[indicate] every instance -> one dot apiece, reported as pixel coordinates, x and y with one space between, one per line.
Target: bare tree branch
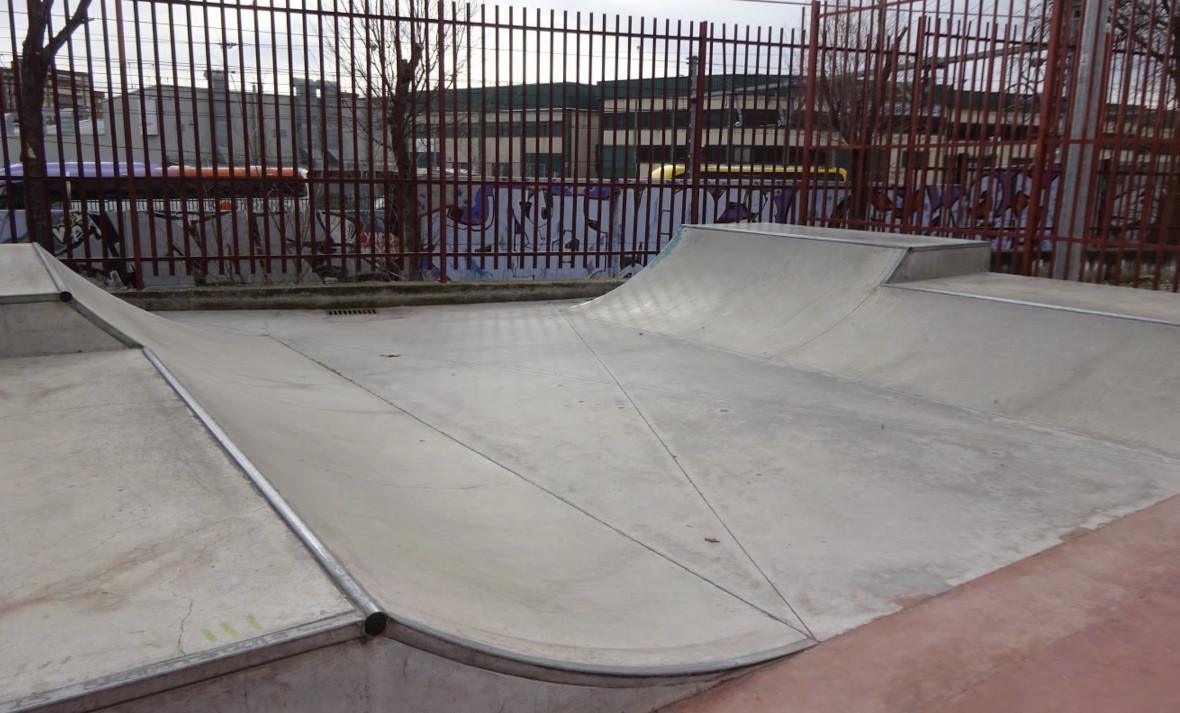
76 20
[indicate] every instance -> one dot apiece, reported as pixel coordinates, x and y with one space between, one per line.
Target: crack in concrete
183 623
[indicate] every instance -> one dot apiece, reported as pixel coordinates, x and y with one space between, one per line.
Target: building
68 92
746 119
519 131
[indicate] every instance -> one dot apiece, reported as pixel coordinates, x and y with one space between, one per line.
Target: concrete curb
354 295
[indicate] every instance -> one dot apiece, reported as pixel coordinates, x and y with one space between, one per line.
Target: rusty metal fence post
804 198
1046 124
442 148
697 154
129 167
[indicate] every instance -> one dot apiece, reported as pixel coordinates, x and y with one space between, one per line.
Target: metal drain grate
349 312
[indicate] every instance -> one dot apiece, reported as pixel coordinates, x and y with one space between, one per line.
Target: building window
661 154
733 154
918 160
544 165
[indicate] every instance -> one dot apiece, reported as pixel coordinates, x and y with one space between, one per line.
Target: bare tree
1151 32
1145 33
859 85
40 46
396 58
1144 36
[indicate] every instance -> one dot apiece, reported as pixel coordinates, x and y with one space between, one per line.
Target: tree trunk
401 200
860 188
38 218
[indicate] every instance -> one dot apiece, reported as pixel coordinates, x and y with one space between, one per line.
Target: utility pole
219 109
225 48
1085 103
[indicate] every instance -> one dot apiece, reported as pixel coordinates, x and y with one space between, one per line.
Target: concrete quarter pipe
770 436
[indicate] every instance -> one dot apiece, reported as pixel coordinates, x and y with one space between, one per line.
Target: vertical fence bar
697 152
442 144
912 186
1045 120
804 212
129 153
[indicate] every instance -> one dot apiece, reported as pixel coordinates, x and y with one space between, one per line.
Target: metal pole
442 147
804 198
690 169
1084 118
698 120
1046 124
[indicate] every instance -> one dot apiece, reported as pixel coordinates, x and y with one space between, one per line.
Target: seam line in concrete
679 466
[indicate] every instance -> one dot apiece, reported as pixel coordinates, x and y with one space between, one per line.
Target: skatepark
771 438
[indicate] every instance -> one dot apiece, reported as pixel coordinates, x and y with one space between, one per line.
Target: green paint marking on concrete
228 629
209 635
253 622
667 248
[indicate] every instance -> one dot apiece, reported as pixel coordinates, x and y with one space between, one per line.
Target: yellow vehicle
674 171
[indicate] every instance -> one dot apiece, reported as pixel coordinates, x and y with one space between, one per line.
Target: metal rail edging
375 617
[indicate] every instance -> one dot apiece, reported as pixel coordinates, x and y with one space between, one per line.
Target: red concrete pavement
1090 625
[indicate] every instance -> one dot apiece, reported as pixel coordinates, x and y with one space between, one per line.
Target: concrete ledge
353 295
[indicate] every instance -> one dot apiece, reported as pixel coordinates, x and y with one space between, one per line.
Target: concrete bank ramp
763 289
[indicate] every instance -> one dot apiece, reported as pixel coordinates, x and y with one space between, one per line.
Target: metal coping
1038 305
881 240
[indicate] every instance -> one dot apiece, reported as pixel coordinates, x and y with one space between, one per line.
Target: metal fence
198 141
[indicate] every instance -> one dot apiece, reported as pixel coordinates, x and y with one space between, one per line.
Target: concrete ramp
763 289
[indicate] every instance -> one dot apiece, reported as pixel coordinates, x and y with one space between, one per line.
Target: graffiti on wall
543 230
557 231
